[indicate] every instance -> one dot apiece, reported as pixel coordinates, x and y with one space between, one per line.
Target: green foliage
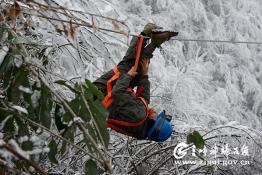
196 139
53 151
22 40
58 118
210 169
22 87
22 127
8 62
9 126
27 145
79 108
45 107
63 82
90 167
94 90
100 113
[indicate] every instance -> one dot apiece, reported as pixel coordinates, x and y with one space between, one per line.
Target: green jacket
129 108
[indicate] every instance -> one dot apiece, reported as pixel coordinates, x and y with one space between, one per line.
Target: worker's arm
143 85
143 89
121 85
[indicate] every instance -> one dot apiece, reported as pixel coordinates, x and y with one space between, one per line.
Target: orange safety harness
107 101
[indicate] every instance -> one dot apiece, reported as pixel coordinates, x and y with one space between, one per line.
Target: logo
180 150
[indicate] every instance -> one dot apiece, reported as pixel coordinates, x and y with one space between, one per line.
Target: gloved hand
145 65
149 28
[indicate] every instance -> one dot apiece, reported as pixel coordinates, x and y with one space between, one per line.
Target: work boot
159 36
149 28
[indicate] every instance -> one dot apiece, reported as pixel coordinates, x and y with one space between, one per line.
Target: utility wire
134 35
217 41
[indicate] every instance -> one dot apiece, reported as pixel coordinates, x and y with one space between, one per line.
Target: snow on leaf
15 145
3 53
20 109
25 89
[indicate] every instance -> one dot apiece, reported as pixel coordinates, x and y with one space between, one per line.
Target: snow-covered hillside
207 86
210 83
203 85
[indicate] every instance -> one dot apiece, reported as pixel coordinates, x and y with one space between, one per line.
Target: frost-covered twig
50 132
76 11
80 125
154 169
18 155
7 168
228 126
131 159
66 105
76 23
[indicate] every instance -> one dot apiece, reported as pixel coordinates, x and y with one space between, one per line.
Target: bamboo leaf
63 148
90 167
63 83
80 109
22 127
53 151
45 107
27 145
7 63
69 133
91 130
22 40
196 139
9 126
58 118
100 114
94 90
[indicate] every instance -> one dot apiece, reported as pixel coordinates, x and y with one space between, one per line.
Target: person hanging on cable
129 113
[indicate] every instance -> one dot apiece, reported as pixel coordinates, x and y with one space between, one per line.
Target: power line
134 35
217 41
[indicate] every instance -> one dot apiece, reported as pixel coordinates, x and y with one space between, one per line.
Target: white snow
23 139
20 109
19 150
3 53
25 89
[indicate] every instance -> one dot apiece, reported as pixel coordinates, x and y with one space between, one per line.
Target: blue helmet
161 129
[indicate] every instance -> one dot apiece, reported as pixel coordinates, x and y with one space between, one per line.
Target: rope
134 35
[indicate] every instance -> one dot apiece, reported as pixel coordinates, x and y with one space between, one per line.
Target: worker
129 113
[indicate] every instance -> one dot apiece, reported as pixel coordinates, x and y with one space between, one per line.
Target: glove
149 28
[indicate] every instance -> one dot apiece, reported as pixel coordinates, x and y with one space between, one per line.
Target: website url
213 162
